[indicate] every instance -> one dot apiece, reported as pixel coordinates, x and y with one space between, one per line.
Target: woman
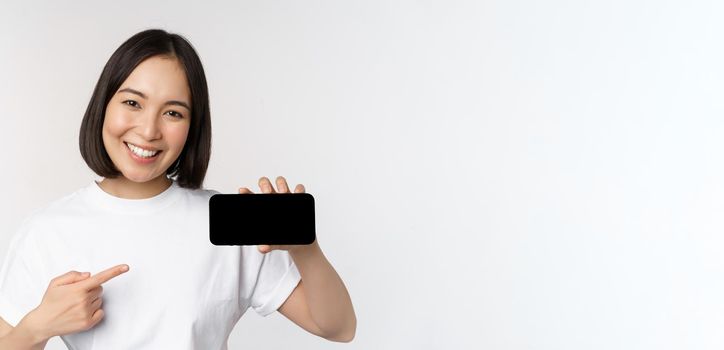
161 284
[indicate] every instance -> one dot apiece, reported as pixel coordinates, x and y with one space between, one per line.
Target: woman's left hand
266 187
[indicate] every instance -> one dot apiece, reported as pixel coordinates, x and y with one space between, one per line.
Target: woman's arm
5 327
320 304
71 303
322 297
22 337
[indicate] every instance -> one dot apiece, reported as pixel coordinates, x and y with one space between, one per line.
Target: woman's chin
139 177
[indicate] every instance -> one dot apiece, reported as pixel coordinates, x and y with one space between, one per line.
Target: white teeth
140 151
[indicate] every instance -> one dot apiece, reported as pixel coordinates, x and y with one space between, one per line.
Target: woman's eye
131 103
176 114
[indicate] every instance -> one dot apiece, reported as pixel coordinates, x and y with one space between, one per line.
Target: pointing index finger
104 276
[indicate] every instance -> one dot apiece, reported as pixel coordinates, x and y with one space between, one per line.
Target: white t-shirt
181 291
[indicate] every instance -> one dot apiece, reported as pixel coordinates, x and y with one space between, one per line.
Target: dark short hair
189 169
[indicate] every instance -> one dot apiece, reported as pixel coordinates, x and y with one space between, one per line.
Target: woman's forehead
159 78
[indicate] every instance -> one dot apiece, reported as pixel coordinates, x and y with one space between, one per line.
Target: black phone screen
263 218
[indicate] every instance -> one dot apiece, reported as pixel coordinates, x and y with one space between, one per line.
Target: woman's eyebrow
170 102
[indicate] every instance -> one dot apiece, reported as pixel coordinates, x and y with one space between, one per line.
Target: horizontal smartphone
261 218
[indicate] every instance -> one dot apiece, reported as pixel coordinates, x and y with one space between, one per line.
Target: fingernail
124 268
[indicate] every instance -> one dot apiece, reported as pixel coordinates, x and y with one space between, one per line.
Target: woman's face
151 110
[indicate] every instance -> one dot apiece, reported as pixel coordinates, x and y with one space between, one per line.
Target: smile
143 153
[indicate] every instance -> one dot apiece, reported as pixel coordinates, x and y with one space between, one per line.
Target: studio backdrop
487 174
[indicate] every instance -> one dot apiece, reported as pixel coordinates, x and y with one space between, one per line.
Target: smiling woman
147 132
152 95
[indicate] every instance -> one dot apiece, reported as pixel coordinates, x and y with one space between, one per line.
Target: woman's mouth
140 155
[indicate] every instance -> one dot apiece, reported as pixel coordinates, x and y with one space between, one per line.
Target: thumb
69 277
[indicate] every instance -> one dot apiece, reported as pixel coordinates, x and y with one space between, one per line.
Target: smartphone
261 218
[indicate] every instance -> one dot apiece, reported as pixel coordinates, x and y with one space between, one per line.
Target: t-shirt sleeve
20 291
277 278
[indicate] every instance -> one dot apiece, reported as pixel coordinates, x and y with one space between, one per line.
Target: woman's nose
149 128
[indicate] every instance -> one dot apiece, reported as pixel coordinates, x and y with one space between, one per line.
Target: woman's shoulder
44 215
196 198
200 193
74 204
59 206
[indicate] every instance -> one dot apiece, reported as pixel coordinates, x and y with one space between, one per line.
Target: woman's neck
124 188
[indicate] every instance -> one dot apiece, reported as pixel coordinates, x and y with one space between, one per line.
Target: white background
510 174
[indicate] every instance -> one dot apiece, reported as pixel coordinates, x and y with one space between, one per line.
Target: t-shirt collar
102 199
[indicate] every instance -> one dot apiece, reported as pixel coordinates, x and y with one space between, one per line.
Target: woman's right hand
72 303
